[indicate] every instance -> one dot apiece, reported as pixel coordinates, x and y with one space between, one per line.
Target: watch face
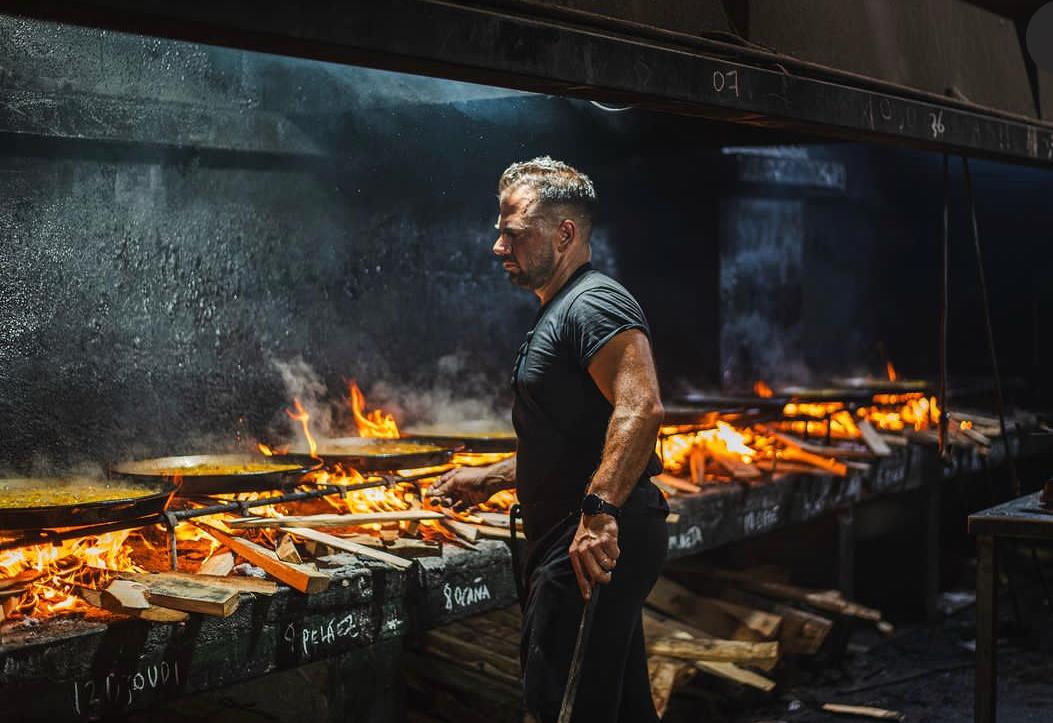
591 504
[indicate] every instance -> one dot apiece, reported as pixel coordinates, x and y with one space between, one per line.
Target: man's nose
501 247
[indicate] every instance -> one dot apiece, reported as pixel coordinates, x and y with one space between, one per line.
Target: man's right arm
466 486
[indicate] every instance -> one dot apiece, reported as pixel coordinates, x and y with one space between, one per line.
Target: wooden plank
727 651
190 595
470 653
494 533
299 577
872 439
241 583
153 613
20 580
676 483
864 711
334 520
287 552
347 546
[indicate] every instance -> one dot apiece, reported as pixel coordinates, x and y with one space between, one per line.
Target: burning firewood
219 564
300 577
152 613
240 583
192 595
338 543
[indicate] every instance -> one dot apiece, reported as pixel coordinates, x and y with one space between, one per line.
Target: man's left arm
623 370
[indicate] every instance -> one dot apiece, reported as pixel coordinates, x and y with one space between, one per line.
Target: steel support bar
552 56
986 629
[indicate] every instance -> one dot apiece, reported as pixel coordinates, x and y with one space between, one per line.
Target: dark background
174 219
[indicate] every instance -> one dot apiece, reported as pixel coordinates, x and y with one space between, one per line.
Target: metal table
1022 518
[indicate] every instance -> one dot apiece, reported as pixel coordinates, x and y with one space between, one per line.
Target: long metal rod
999 395
944 298
570 693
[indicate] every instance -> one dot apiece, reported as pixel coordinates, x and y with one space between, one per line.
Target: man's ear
567 231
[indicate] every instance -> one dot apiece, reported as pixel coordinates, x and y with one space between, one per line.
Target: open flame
761 389
376 423
301 416
891 371
51 572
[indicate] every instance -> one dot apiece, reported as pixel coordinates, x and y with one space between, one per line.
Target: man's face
524 244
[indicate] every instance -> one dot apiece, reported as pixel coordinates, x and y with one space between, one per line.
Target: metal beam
499 48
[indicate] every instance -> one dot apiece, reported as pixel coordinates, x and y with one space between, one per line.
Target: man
586 412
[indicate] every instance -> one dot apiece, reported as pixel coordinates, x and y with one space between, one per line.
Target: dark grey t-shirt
560 415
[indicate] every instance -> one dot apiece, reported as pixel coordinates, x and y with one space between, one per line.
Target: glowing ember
377 423
761 389
896 412
891 370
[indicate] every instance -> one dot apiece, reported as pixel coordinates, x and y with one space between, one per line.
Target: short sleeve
597 316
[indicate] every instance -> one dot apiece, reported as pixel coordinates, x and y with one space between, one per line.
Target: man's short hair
554 183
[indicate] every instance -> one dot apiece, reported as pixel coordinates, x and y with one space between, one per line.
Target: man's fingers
596 571
583 583
611 551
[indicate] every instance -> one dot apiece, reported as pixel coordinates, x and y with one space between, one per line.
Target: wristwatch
596 505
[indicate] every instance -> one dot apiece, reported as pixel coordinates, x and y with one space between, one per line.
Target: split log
872 439
152 613
735 466
716 617
126 594
676 483
795 454
864 711
300 577
721 651
801 633
241 583
347 546
827 600
414 548
334 520
697 465
20 580
218 565
493 533
479 657
497 519
664 674
732 672
462 529
287 552
199 595
822 450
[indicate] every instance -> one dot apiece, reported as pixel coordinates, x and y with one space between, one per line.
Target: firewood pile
738 627
738 630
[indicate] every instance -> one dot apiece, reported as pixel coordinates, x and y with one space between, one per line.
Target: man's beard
544 269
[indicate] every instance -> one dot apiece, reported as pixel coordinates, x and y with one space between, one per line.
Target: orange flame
891 371
61 567
377 423
761 389
301 416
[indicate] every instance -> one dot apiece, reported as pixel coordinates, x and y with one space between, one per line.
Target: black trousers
614 686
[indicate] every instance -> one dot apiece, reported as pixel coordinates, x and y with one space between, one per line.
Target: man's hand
462 487
594 551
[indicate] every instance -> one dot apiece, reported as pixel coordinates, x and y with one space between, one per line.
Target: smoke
453 393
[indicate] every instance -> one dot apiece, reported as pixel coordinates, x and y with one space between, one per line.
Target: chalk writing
464 595
309 639
759 520
936 123
687 539
118 690
728 80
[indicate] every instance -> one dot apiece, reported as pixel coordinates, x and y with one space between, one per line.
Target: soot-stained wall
177 221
